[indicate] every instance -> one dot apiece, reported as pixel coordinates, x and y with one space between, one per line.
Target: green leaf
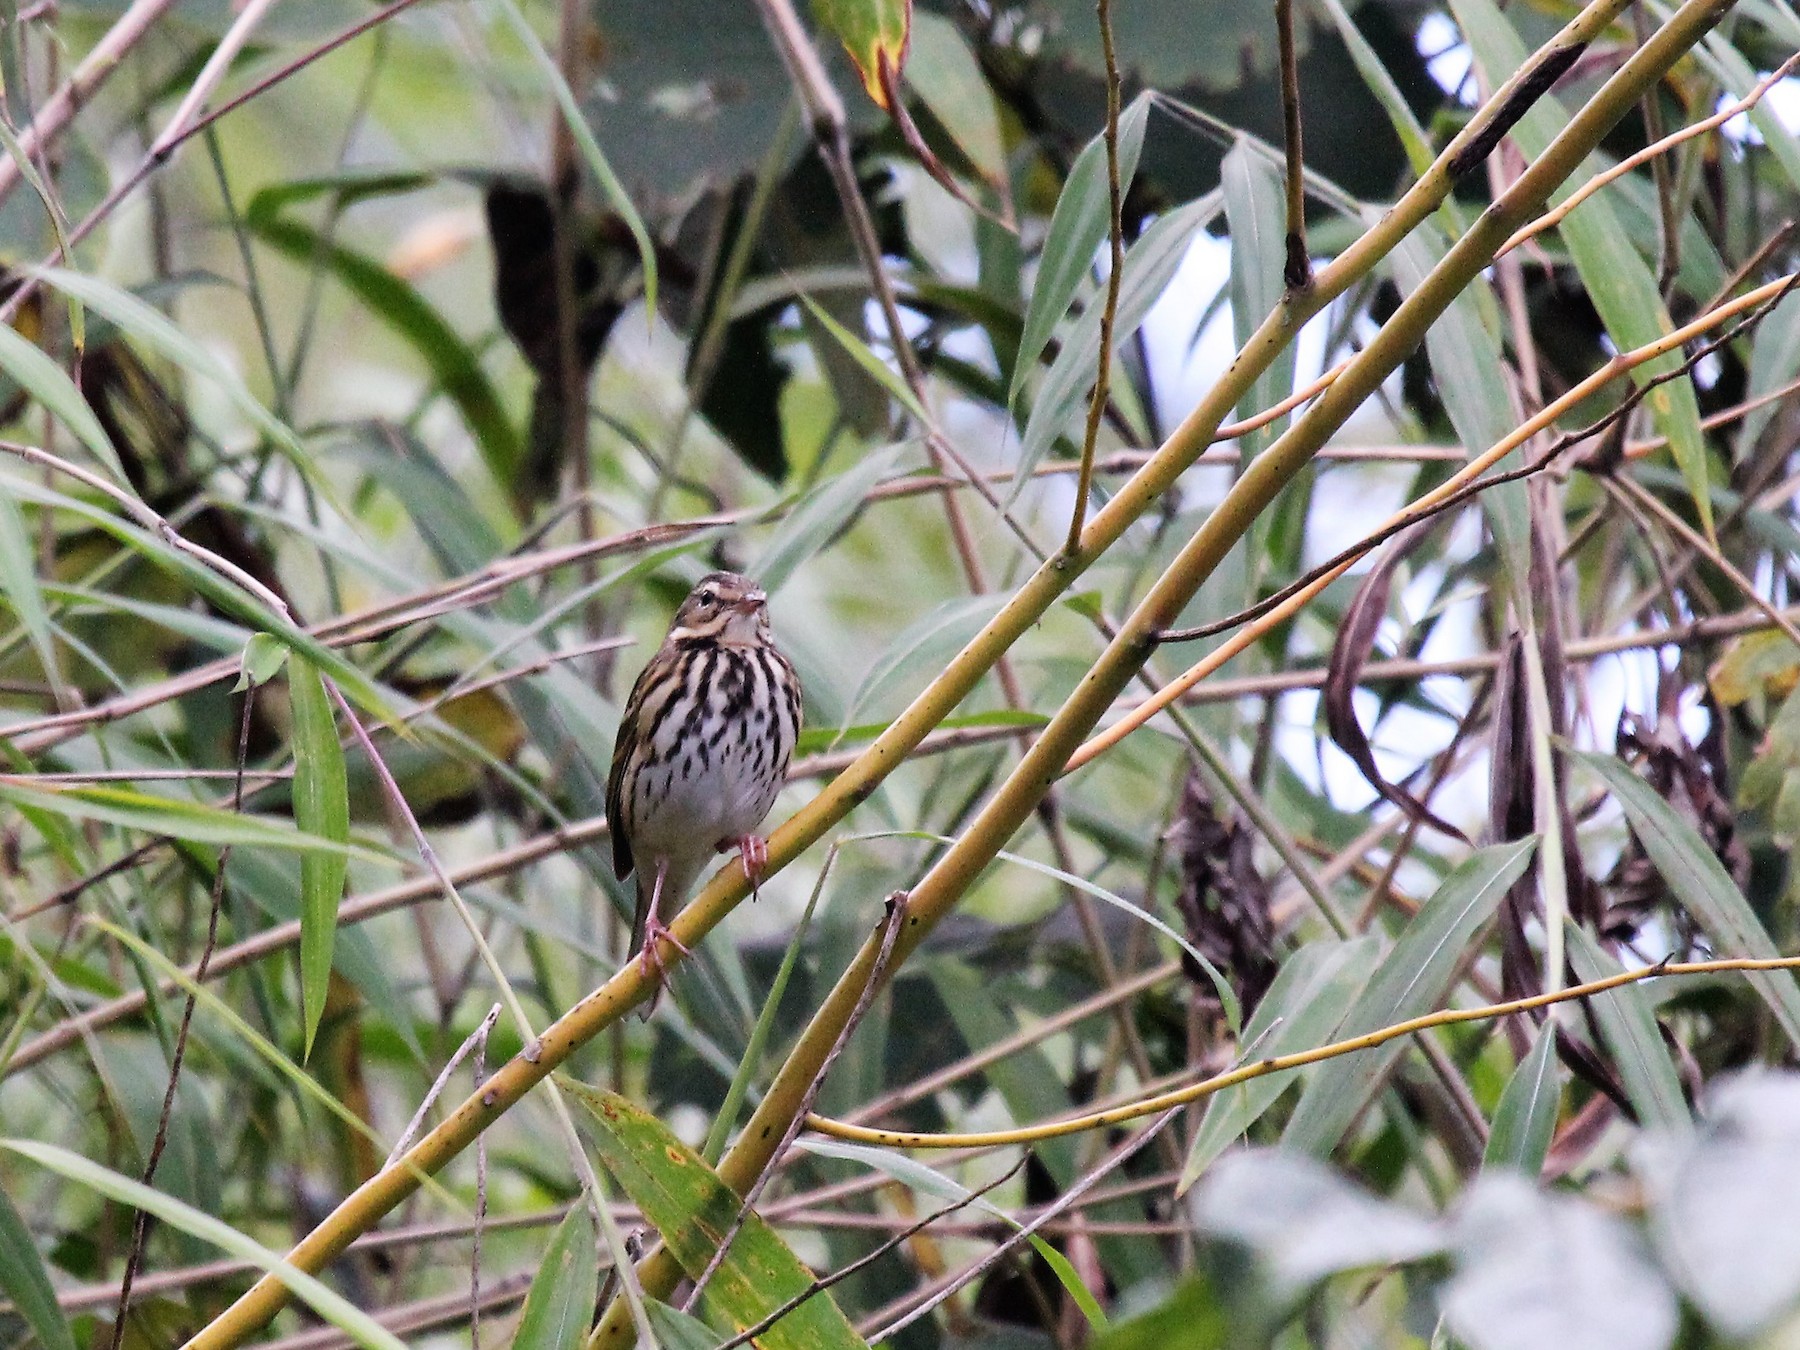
1256 214
947 78
1410 982
818 516
163 815
19 580
862 354
407 314
1525 1120
148 325
43 380
322 808
1618 280
874 32
1628 1027
263 659
687 1203
1149 265
923 645
560 1304
1699 880
1418 147
676 1330
26 1283
1468 370
1302 1009
362 1328
1080 222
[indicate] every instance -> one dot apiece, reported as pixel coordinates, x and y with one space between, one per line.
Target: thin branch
1297 270
891 920
1184 1096
862 1263
1111 1163
1115 271
1555 217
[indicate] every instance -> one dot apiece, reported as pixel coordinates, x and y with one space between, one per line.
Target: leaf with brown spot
692 1208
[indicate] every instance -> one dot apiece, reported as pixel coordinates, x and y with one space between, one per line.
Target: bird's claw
753 854
650 957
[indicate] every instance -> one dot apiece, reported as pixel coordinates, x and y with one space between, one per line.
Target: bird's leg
655 931
753 853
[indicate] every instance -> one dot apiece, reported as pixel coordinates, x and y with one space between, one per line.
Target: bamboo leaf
687 1203
1699 880
583 136
43 380
136 810
1150 263
1256 214
1080 222
1617 279
334 1308
875 33
560 1303
865 357
1301 1009
322 808
1525 1120
27 1284
406 313
1628 1027
819 515
156 330
1413 978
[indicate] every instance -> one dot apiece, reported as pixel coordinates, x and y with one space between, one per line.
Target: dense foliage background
375 380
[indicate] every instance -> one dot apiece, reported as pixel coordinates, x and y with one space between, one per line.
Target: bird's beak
753 601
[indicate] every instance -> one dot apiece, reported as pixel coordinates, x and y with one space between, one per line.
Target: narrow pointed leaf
875 33
1410 982
1628 1027
1302 1009
1525 1120
1080 222
1617 278
1699 880
1256 213
26 1284
333 1307
41 378
1150 264
322 808
687 1203
560 1303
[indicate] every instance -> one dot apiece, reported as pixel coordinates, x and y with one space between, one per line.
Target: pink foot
753 853
650 958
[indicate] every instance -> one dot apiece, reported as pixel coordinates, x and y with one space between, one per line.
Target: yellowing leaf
875 33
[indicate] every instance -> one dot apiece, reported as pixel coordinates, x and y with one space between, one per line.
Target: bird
702 751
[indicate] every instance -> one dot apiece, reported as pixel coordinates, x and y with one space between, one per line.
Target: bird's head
723 607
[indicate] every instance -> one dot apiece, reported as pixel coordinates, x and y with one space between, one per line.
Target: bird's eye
709 597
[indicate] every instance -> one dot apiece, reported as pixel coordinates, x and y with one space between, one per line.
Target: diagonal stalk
1012 803
360 1211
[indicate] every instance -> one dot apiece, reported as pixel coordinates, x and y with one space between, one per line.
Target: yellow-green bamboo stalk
1017 797
360 1211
